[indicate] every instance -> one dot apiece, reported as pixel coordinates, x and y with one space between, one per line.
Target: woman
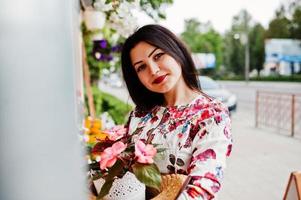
172 111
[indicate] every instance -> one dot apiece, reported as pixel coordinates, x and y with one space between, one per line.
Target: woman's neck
180 95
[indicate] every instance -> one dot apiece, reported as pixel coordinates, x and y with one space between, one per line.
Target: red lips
159 79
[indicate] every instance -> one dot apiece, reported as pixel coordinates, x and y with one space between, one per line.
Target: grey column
40 153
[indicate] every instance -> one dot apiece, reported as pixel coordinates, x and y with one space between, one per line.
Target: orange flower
93 131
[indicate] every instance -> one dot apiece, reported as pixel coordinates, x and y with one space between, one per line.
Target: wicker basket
171 186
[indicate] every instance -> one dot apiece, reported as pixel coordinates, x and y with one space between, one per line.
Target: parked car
215 90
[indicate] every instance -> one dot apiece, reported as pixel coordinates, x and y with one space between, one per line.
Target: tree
280 26
296 23
202 38
191 33
234 50
257 54
233 54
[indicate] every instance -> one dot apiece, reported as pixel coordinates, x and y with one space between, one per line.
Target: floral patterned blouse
197 139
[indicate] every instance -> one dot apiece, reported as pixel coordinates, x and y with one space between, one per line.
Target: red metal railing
281 111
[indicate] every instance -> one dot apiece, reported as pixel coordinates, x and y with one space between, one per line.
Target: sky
219 12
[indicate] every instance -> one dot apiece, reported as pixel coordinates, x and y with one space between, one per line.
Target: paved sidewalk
261 162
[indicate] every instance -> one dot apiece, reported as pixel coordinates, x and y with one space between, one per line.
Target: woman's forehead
142 49
143 45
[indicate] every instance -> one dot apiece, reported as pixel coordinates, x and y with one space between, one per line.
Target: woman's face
157 71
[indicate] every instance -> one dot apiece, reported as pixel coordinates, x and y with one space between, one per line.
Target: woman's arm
211 146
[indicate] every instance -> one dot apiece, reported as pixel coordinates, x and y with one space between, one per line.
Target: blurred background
67 63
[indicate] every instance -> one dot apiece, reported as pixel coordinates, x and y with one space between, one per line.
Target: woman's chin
162 89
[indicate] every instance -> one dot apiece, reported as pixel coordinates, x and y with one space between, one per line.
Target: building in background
204 60
282 56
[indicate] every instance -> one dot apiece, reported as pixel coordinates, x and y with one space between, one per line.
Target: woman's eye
141 67
157 56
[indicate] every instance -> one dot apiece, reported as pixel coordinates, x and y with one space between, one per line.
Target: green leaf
97 175
114 171
105 189
160 156
148 174
160 150
162 15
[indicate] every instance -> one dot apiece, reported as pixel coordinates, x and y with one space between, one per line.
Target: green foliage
114 171
202 38
107 103
241 22
148 174
256 40
296 23
286 23
233 54
234 50
95 66
294 78
279 28
105 189
191 33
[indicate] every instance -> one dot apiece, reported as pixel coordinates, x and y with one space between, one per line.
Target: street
246 93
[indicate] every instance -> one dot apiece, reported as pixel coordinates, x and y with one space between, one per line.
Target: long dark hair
164 39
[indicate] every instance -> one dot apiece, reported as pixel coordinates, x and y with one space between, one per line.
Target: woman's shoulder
206 107
140 113
203 106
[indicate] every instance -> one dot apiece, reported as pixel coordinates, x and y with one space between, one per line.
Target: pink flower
116 132
109 156
144 153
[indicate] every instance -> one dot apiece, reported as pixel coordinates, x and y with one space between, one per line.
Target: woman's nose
154 69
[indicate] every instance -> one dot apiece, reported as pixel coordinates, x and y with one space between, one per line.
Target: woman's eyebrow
153 52
137 63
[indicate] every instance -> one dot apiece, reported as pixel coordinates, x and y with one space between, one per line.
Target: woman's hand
171 186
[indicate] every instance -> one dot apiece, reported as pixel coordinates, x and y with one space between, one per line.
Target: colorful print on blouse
197 140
